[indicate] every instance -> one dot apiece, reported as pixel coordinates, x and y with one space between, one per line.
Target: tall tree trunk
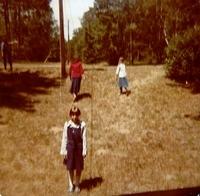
131 47
165 33
6 19
19 25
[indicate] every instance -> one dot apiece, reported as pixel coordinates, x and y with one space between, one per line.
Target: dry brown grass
147 141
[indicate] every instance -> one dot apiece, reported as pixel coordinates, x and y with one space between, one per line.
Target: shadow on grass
83 96
193 117
94 69
17 89
144 64
1 122
127 93
195 191
194 87
91 183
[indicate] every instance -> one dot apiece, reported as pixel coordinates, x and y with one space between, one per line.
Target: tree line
30 27
148 31
142 31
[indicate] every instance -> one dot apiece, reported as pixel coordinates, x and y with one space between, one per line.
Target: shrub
183 56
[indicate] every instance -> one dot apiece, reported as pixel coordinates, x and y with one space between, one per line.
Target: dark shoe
128 93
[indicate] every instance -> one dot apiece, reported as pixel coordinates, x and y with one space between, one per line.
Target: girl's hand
84 155
65 160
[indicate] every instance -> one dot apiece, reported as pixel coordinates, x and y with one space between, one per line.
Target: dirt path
147 141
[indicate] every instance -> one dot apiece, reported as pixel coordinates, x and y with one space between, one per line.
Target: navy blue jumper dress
74 148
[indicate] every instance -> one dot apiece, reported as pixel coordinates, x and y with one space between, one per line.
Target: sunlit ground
144 142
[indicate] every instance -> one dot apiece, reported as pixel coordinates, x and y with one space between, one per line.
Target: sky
73 11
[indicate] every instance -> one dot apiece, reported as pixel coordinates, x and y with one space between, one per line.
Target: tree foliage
183 55
183 51
148 31
129 28
151 31
31 25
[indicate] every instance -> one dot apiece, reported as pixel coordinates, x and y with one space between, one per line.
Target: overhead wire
71 18
91 124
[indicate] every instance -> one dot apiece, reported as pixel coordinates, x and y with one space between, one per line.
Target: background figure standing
74 147
121 77
6 54
76 72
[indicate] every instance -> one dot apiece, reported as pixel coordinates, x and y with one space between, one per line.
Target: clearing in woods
144 142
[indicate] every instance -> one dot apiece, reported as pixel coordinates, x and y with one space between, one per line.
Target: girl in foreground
74 148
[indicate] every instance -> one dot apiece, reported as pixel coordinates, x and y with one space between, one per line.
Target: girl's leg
121 90
74 95
10 61
127 91
5 60
77 182
71 178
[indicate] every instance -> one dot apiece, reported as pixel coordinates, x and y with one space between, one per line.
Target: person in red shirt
76 72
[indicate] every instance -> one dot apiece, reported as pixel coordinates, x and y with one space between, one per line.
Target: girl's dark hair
74 111
75 59
121 59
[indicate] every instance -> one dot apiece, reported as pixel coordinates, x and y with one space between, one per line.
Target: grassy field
144 142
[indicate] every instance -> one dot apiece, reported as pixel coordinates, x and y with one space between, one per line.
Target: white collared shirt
63 150
121 70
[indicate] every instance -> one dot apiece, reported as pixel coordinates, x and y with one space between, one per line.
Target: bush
183 56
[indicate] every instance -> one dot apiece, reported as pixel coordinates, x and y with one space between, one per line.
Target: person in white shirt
74 147
121 77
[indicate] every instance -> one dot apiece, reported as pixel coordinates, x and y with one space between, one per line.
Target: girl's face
75 118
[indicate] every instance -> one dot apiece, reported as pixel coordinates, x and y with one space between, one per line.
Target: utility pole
68 30
62 40
68 42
